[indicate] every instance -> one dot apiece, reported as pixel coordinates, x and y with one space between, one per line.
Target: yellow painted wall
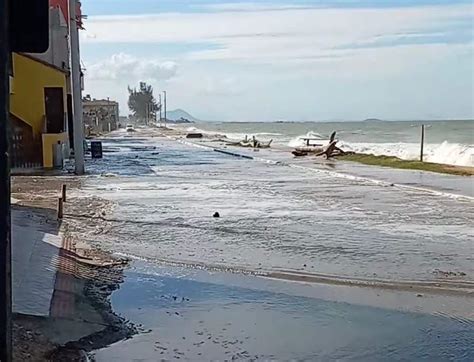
30 77
49 139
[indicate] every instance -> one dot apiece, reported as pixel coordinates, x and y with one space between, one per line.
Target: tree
142 103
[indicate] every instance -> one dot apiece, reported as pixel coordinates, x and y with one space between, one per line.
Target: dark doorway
70 121
54 105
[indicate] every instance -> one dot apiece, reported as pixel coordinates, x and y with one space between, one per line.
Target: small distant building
100 115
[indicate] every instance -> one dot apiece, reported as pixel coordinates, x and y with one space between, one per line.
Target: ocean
447 142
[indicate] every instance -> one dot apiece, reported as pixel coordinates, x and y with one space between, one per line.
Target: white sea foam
299 142
446 153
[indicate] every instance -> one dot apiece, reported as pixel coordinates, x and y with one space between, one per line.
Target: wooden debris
330 150
251 143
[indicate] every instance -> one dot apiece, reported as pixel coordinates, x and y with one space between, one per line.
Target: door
54 105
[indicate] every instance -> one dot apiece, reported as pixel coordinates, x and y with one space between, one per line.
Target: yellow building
38 108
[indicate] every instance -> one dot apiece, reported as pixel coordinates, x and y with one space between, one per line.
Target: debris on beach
216 214
251 142
449 273
320 149
194 135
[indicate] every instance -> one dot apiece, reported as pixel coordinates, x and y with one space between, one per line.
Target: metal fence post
422 142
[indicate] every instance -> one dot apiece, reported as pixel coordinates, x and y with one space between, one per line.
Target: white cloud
128 68
216 86
250 6
266 34
327 62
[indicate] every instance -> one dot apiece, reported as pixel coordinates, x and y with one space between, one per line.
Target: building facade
100 115
38 110
41 109
58 51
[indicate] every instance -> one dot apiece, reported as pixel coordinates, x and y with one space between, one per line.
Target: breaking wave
299 142
446 153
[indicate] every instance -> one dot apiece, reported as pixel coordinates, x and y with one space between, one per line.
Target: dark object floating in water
216 214
194 135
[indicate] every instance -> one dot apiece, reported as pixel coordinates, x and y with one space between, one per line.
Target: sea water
448 142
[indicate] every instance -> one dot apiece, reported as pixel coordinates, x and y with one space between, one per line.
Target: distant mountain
180 116
373 120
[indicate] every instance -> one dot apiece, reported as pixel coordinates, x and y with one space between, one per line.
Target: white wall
58 51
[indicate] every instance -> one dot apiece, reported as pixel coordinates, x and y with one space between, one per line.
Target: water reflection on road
193 315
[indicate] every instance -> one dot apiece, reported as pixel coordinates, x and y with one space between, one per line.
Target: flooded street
393 266
274 217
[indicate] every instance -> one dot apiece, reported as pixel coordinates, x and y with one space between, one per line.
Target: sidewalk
60 291
35 253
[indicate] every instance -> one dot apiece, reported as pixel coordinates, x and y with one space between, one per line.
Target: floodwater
194 287
276 216
197 316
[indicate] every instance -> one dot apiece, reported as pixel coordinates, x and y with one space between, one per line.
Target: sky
300 60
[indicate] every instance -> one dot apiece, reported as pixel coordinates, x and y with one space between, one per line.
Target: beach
397 243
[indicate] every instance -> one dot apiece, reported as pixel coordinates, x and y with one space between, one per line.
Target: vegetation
394 162
142 103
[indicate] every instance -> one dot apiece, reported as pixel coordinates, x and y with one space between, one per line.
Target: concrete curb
232 153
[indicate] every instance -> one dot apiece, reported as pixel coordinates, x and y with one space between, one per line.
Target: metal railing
25 151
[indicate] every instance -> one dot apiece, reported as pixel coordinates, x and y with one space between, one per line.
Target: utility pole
76 89
164 92
160 108
5 235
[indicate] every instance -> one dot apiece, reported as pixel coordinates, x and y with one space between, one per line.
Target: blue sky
296 60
